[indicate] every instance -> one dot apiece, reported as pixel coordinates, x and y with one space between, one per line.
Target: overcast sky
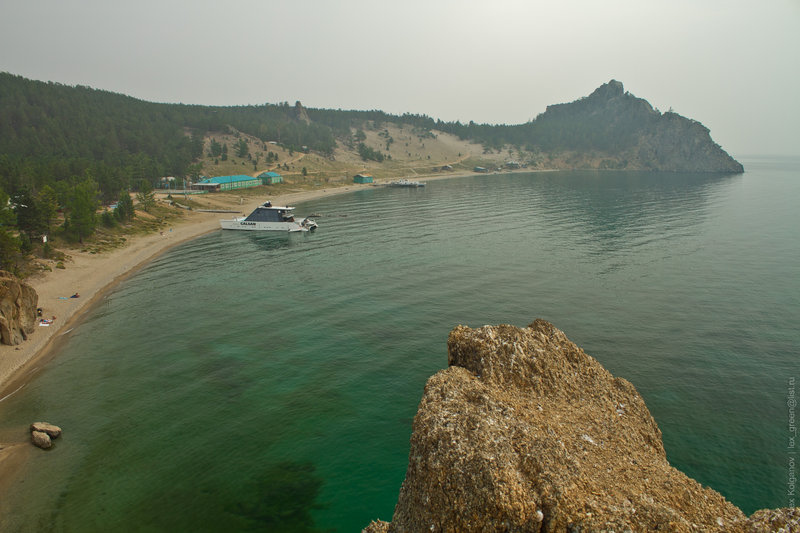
733 65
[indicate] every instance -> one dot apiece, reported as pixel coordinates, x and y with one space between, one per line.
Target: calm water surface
268 382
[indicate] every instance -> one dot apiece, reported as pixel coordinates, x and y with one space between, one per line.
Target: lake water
268 382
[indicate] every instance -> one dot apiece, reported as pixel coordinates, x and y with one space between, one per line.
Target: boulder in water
52 431
41 439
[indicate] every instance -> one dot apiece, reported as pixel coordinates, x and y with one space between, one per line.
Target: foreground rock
525 432
18 302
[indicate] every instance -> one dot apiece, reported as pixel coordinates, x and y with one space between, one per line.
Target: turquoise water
257 381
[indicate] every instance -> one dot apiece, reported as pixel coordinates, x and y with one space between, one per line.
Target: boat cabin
267 213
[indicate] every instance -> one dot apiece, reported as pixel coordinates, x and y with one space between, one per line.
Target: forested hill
51 132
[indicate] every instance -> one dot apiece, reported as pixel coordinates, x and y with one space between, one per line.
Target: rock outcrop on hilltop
18 302
300 114
526 432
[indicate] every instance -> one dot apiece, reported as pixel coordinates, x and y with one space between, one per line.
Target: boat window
264 215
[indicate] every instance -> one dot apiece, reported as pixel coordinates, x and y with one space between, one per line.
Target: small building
270 178
479 169
227 183
206 187
447 168
512 165
362 178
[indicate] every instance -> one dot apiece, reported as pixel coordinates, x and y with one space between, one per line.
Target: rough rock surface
300 113
526 432
52 431
18 302
41 439
780 520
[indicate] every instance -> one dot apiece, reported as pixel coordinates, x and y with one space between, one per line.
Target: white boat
268 217
406 183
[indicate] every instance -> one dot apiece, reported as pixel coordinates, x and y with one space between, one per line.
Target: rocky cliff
526 432
612 128
18 302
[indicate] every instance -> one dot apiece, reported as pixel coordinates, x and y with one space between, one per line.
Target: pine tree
124 210
29 220
241 148
146 197
48 206
9 244
82 209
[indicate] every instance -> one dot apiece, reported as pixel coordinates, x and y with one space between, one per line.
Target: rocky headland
613 129
18 303
525 432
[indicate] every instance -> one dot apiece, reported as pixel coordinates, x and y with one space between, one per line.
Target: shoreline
94 276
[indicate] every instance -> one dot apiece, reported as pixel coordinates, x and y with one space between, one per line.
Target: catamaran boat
268 217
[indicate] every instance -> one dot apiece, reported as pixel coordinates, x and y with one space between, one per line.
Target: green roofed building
362 178
228 183
270 178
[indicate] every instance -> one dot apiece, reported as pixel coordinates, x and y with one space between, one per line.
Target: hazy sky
733 65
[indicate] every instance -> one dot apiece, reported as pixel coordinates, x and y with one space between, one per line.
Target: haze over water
245 380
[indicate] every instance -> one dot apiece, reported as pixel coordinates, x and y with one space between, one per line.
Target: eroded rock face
18 302
526 432
768 520
644 138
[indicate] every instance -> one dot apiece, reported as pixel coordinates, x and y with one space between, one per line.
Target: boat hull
242 225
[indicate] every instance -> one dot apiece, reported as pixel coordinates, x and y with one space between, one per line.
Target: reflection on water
606 213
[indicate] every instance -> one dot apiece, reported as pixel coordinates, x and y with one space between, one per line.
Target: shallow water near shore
246 381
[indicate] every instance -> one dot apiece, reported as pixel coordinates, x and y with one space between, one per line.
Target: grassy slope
412 155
